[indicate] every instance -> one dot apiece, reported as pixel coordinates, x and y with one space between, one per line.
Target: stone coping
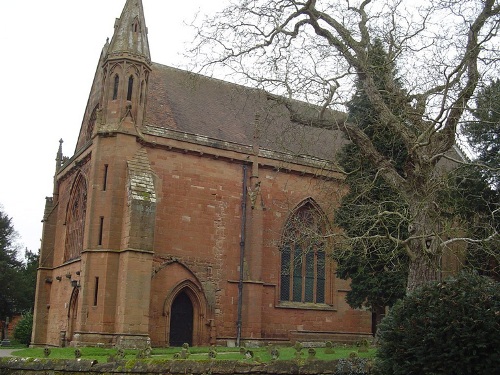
35 366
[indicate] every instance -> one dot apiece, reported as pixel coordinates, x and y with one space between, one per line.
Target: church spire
130 38
126 70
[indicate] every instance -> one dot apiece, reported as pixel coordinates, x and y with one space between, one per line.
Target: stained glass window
303 256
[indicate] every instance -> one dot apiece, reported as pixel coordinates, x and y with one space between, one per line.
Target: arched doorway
172 313
72 312
181 320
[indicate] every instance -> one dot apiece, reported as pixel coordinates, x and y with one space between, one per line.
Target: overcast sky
50 51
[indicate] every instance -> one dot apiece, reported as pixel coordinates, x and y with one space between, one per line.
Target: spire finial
130 35
59 157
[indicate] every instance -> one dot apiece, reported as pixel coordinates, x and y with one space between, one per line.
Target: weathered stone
15 366
150 208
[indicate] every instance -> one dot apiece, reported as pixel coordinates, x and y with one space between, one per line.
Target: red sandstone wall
198 222
196 244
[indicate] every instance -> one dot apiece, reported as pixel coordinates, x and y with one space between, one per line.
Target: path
6 352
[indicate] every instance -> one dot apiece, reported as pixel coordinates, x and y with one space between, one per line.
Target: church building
192 210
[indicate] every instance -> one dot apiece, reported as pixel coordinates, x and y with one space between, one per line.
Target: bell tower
126 69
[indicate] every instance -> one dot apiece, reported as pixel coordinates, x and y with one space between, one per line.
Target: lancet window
130 87
116 86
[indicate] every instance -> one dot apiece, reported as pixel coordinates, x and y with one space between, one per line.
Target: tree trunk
425 263
423 269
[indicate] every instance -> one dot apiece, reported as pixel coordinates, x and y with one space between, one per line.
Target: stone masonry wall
23 366
197 238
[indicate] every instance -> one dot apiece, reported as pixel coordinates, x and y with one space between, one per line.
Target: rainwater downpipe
242 255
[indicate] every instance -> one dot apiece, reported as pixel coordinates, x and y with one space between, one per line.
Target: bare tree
315 50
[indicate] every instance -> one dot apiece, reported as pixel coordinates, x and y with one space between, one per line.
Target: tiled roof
195 104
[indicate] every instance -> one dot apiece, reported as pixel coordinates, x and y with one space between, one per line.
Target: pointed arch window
135 25
130 87
91 123
115 87
75 219
303 256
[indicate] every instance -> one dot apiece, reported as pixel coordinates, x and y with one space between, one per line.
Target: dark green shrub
450 327
22 332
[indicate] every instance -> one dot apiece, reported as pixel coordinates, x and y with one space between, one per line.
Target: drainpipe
242 254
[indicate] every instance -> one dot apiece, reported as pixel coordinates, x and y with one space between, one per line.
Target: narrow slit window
101 225
130 87
142 92
105 178
96 290
115 87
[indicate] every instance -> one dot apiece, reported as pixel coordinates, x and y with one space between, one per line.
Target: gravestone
6 341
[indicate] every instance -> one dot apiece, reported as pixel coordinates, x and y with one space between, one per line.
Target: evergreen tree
483 134
29 276
17 278
369 212
23 330
311 49
480 205
10 267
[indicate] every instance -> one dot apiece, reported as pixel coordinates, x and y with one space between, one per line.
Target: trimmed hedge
451 327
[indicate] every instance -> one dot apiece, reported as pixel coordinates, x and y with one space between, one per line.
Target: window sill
305 306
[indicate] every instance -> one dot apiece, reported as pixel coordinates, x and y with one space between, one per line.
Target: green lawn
196 353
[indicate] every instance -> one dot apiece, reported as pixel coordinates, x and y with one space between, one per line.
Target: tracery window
91 123
75 219
303 256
